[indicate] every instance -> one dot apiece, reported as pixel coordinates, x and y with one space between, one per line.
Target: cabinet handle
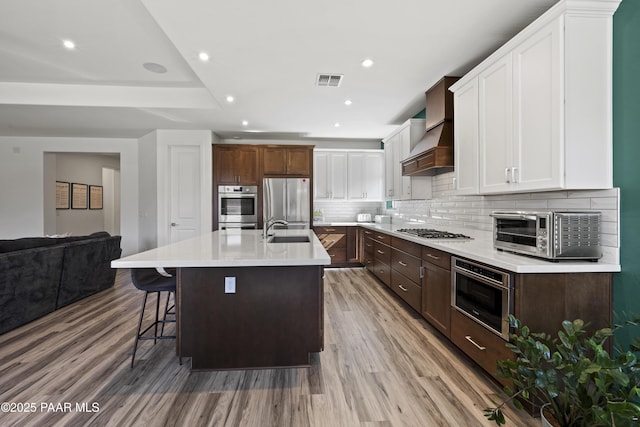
514 178
367 232
402 263
481 348
421 272
329 230
403 288
380 252
433 256
332 255
380 237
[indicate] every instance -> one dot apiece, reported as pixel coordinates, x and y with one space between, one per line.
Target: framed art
62 195
95 197
79 196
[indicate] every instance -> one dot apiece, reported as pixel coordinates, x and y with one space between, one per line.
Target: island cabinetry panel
291 161
273 319
236 164
436 289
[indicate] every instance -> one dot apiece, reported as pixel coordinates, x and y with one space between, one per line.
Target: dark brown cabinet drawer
434 256
406 289
368 246
382 271
327 229
482 345
406 264
382 252
407 246
381 237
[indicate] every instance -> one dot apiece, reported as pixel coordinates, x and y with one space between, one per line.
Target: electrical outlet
229 285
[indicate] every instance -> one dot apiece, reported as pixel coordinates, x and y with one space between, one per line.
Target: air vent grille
329 80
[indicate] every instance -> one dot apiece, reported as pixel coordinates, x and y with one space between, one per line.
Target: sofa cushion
25 243
29 282
86 268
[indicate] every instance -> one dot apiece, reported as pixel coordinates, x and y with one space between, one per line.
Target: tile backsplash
472 212
341 211
445 209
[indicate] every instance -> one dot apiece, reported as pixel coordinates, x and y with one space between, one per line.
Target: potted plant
572 376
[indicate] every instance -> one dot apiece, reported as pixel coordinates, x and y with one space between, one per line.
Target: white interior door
184 167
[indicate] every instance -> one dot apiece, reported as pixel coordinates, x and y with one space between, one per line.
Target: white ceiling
265 53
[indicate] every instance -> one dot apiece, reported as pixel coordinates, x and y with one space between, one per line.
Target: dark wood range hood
433 154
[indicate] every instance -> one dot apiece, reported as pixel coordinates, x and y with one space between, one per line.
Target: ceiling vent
332 80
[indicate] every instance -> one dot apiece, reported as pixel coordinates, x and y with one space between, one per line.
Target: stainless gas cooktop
430 233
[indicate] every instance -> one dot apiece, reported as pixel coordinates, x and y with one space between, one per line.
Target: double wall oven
237 207
482 293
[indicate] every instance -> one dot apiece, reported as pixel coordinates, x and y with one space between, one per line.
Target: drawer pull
421 272
380 237
332 254
380 252
403 288
433 256
468 338
402 263
330 229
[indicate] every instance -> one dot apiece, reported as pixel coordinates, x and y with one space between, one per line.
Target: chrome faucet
270 223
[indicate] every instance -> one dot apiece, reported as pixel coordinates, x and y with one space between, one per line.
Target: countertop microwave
550 235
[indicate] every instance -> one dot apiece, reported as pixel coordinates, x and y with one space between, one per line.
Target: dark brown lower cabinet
341 243
436 289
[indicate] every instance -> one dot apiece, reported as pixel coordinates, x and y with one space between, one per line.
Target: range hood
433 153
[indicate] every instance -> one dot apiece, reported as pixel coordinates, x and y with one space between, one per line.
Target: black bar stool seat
150 280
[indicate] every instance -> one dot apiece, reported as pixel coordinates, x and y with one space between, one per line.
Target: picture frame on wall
95 197
63 189
79 196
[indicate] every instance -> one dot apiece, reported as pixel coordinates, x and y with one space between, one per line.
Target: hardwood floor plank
383 365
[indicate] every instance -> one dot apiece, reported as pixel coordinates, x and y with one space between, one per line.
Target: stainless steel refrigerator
287 199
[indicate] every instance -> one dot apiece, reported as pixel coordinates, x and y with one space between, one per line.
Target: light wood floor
382 365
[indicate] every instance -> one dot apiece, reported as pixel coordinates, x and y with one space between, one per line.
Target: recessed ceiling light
367 63
230 98
336 124
69 44
155 68
348 102
204 56
245 123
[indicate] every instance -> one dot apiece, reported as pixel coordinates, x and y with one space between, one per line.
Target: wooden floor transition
382 365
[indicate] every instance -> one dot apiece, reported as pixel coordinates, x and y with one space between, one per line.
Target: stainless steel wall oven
482 293
237 206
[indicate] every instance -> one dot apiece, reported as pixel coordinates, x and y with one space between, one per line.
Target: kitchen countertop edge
482 250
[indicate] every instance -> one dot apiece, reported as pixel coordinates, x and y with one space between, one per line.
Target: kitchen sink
289 239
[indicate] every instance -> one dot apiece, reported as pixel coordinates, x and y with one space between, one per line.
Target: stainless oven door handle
514 216
468 338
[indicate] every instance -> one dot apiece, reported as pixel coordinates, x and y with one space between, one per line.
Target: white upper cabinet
330 175
348 175
396 148
465 132
365 175
543 118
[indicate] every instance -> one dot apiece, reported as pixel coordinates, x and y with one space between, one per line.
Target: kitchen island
244 301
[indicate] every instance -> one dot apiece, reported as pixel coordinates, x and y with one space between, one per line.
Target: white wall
148 178
22 174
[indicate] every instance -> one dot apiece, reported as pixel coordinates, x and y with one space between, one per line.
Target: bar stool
150 280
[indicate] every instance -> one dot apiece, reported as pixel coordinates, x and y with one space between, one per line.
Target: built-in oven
237 206
482 293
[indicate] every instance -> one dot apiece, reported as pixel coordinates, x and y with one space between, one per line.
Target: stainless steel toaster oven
551 235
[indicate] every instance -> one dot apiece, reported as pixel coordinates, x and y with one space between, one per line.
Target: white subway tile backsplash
473 212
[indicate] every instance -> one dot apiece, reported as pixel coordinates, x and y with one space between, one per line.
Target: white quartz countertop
482 250
231 248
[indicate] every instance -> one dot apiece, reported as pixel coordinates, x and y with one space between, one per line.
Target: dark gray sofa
39 275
